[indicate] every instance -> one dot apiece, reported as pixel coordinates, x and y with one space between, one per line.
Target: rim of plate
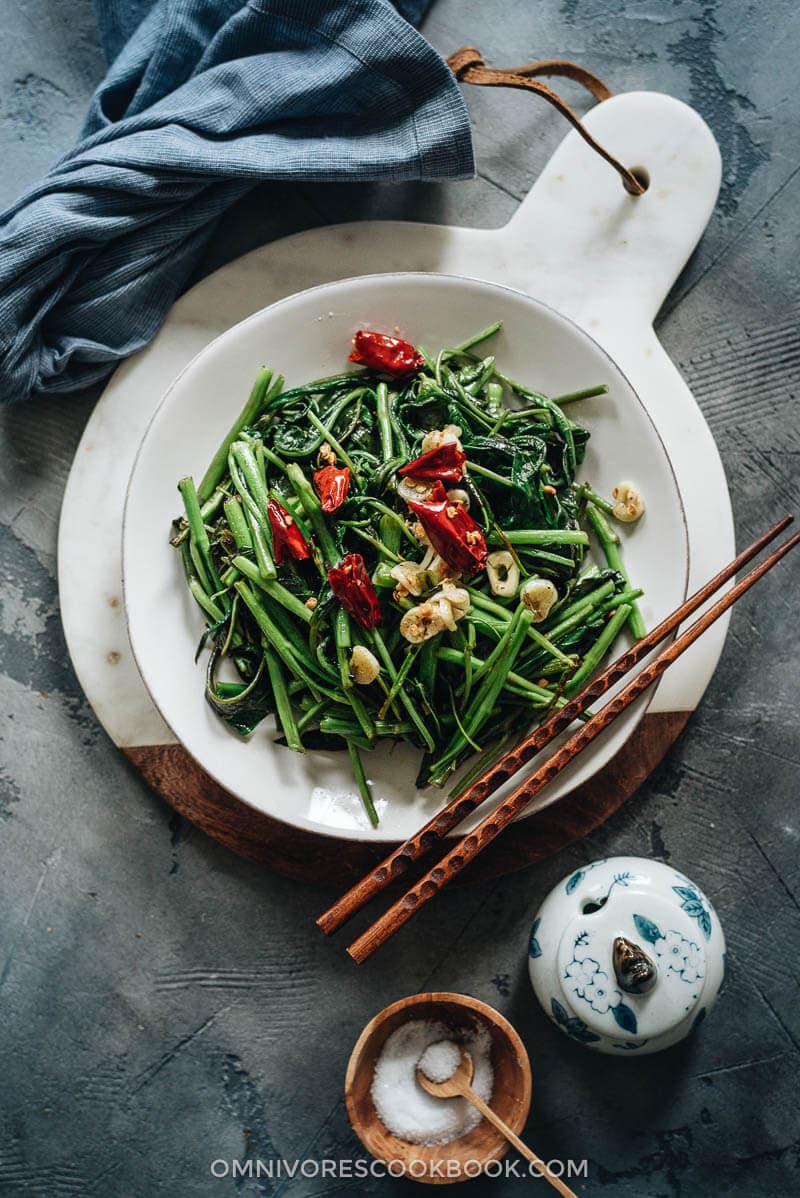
307 825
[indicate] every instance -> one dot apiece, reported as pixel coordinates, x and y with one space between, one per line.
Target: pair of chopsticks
502 770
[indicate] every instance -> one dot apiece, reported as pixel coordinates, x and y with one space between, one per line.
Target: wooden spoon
459 1084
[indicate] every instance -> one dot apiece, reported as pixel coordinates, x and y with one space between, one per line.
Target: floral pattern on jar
592 984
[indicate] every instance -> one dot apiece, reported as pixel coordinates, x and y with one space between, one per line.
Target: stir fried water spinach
398 553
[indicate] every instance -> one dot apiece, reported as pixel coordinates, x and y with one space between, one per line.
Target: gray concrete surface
162 1004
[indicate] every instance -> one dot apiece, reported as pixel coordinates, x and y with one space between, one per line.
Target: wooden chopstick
466 849
398 861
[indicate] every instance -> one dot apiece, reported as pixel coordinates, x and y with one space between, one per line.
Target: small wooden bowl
511 1092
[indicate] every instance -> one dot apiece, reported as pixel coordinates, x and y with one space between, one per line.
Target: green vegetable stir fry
398 553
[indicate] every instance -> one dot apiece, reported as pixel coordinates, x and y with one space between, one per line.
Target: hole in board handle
641 175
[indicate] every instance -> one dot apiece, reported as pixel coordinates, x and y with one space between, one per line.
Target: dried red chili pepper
451 530
332 483
389 355
286 536
446 462
352 586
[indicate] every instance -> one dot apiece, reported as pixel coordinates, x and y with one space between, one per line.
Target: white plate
308 336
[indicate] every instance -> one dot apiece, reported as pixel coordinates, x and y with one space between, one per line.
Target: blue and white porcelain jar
626 955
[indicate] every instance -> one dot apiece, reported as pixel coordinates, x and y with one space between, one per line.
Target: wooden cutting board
579 243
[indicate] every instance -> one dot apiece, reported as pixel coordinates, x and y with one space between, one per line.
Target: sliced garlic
538 595
364 666
439 570
446 612
441 436
414 489
413 578
409 575
436 567
438 613
456 598
459 498
419 532
629 505
422 622
502 572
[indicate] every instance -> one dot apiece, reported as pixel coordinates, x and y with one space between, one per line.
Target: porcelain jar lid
631 950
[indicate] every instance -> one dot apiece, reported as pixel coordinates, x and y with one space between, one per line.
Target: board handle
591 248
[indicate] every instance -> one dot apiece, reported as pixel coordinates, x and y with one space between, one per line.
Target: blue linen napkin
204 100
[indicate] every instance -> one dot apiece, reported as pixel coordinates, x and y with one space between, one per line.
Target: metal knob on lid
626 955
636 973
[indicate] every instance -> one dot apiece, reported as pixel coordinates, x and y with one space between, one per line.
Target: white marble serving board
578 242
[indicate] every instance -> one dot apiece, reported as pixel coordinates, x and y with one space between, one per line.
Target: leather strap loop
467 65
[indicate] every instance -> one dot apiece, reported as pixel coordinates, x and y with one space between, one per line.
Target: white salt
407 1110
439 1061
